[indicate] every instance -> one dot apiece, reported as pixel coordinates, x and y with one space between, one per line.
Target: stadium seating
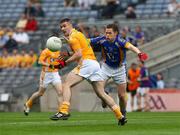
152 8
10 79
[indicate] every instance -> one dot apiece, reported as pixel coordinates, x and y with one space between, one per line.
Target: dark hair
113 26
65 20
160 75
134 64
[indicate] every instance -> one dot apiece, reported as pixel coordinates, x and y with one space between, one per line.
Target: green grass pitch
101 123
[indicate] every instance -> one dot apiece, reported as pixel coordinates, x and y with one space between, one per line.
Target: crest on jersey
52 59
117 44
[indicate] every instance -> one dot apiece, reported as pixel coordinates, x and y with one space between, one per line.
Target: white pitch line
76 122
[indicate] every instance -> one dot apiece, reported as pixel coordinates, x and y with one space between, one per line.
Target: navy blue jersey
114 54
144 73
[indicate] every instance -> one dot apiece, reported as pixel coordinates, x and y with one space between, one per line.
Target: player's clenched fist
61 64
142 56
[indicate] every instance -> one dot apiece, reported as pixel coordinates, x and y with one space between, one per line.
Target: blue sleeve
122 42
96 41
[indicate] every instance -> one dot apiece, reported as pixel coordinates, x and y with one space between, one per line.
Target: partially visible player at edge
88 68
114 59
49 75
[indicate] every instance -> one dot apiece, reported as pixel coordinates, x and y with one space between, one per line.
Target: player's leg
63 110
99 90
119 77
45 79
146 100
122 97
57 83
35 95
104 105
133 93
132 101
58 88
139 99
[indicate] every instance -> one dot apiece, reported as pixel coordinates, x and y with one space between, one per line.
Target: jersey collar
72 31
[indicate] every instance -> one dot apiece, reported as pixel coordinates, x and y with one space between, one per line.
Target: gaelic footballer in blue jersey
114 58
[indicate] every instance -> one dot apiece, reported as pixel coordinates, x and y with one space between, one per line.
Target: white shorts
89 69
117 74
47 78
142 90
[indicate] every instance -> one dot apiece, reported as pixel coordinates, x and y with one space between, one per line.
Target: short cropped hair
113 26
133 64
65 20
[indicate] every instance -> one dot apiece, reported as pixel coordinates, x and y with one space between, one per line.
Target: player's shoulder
120 39
75 33
101 39
46 51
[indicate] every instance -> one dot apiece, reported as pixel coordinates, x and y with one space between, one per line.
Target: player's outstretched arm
42 59
142 56
96 41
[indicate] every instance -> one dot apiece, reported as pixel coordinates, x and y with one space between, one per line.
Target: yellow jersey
24 60
5 62
77 41
16 60
50 58
1 62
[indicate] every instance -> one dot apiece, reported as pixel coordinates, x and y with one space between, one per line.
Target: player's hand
142 56
61 64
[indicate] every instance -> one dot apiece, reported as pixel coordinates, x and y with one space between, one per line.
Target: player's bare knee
122 96
67 84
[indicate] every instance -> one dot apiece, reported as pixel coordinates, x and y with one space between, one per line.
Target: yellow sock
117 112
64 108
29 103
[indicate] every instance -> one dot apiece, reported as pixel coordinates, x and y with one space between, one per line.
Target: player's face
110 34
66 28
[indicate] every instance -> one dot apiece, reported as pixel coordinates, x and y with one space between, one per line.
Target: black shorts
133 92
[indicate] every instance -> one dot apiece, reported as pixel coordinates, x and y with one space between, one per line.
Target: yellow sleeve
1 62
89 40
44 54
127 44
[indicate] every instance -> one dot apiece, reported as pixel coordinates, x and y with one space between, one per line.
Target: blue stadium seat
93 14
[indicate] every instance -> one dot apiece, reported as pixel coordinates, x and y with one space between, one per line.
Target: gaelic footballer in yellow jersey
49 57
88 68
49 75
